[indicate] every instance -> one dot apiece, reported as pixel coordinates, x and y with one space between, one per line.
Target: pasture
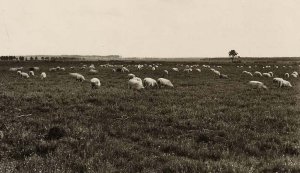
203 124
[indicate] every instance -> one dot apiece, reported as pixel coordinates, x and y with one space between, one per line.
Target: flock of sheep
137 83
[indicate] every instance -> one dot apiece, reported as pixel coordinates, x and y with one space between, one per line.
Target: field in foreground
204 124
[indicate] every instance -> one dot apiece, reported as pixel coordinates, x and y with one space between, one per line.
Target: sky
150 28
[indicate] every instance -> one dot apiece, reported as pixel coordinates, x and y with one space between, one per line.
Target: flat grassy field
203 124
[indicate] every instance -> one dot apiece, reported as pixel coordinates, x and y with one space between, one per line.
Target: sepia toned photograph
166 86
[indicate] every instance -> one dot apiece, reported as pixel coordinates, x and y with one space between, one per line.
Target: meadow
203 124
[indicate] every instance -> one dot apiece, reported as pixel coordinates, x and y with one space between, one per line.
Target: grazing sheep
294 75
24 75
78 76
266 75
216 72
13 69
257 84
31 73
198 69
93 71
223 76
284 83
166 71
135 84
175 69
130 76
188 70
95 83
271 73
286 75
149 83
277 80
257 73
164 82
92 66
52 69
43 75
153 68
124 69
247 73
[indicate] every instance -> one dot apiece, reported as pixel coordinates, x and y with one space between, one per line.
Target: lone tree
232 54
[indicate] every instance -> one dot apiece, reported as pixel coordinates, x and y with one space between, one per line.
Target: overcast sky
160 28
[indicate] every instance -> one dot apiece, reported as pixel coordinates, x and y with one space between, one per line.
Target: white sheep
166 72
153 68
284 83
286 75
149 83
93 71
164 82
271 73
124 69
43 75
130 76
79 77
266 75
198 69
223 76
257 73
31 73
257 84
175 69
247 73
24 75
294 75
95 83
135 84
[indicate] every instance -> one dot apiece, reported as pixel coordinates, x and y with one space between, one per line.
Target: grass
204 124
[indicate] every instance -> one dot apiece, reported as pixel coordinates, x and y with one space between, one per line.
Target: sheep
286 75
223 76
130 76
149 83
175 69
257 84
124 69
188 70
52 69
31 73
135 84
294 75
93 71
216 72
198 69
277 80
164 82
113 70
24 75
43 75
247 73
92 66
95 83
153 68
271 73
266 75
78 76
166 72
284 83
257 73
13 69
